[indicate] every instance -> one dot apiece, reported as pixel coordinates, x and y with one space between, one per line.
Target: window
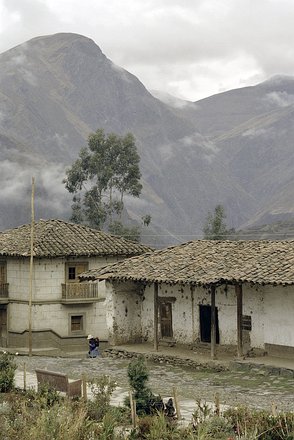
2 272
71 273
76 323
246 322
73 270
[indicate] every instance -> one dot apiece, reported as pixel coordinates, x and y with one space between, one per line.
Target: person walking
93 346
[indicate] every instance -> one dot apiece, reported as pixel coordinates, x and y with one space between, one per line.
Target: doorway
3 326
205 323
166 327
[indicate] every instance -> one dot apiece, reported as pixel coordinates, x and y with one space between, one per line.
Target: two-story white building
63 310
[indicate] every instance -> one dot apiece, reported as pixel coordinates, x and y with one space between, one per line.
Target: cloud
281 99
51 195
190 49
255 132
172 101
201 142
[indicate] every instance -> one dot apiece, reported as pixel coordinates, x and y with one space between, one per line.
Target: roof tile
56 238
205 262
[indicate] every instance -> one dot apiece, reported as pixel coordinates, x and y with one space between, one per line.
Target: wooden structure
228 293
59 382
4 289
78 291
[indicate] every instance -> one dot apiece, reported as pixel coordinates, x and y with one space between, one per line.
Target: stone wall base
279 350
47 342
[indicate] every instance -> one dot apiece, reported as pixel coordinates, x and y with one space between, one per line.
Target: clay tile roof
57 238
204 262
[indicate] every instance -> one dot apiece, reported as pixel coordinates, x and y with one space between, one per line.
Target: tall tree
215 227
106 170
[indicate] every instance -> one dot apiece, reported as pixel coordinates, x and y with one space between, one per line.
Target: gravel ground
256 389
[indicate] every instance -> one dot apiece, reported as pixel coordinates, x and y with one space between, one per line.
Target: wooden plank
192 289
31 266
156 316
213 323
239 295
178 411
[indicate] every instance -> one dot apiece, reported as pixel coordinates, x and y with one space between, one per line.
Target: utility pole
31 265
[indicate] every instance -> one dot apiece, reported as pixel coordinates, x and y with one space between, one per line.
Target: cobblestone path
255 388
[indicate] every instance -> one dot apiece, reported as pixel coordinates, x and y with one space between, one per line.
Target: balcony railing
79 292
4 288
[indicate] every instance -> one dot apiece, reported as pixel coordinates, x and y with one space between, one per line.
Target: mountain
234 148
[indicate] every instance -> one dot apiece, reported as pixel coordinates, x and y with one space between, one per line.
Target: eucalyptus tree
215 227
104 172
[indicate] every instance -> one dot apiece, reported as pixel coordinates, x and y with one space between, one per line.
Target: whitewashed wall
123 312
47 311
186 315
279 315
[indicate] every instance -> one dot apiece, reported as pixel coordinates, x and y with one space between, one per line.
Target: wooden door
166 320
205 323
3 327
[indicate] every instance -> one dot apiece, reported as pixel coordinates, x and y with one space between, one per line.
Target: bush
261 424
7 371
146 401
102 388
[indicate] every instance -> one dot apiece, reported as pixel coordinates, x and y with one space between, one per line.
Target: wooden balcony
79 292
4 289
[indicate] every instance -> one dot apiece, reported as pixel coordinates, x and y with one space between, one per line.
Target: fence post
84 386
176 403
24 376
217 404
133 409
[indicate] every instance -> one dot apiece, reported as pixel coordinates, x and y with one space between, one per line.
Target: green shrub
146 401
29 419
214 427
7 371
261 424
101 388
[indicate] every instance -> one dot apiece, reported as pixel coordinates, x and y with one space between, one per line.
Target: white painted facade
269 309
49 312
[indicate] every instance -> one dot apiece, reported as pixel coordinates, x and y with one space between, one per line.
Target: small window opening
246 322
71 273
76 323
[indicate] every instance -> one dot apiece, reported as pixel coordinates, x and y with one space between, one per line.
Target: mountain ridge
55 90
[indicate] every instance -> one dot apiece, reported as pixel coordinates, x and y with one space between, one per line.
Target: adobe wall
123 312
47 311
186 314
279 319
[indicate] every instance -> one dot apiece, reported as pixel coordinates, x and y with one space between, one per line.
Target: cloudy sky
188 48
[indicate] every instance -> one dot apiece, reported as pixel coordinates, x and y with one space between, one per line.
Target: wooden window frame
74 264
3 264
80 331
247 322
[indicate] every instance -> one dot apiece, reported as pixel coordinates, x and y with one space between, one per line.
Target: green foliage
32 421
47 395
146 401
160 428
7 371
102 389
26 415
138 374
128 232
261 424
106 170
215 227
146 219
